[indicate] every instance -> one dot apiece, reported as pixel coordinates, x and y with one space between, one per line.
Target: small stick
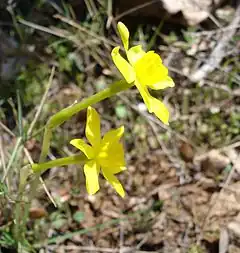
218 53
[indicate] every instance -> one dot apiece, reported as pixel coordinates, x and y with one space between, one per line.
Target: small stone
234 227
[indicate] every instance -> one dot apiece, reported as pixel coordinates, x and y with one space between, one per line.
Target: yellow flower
104 153
145 70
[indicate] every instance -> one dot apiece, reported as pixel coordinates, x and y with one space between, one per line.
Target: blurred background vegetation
174 170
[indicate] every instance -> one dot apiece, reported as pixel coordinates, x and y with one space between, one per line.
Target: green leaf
78 216
59 223
121 111
3 189
6 239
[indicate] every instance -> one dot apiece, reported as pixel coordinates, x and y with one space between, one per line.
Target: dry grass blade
41 180
41 103
2 155
41 28
12 158
79 27
5 128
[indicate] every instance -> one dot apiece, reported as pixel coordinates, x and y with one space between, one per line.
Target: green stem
67 113
19 223
46 144
41 167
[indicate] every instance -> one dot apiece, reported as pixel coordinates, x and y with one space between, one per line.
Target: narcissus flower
145 70
105 154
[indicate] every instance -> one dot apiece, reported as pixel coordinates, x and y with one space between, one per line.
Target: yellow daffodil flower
145 70
105 154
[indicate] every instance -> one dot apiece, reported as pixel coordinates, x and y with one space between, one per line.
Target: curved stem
76 159
67 113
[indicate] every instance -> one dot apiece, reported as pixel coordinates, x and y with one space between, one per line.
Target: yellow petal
93 127
135 53
151 72
114 182
91 171
159 109
144 93
113 135
162 84
154 105
118 169
124 34
85 148
111 155
123 66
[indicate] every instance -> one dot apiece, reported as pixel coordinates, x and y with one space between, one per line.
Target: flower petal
117 169
111 155
84 147
154 105
91 171
159 109
162 84
113 135
123 66
124 34
151 72
135 53
114 182
144 93
93 127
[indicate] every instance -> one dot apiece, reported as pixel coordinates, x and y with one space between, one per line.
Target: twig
207 82
96 249
218 53
214 20
212 32
83 248
121 237
29 132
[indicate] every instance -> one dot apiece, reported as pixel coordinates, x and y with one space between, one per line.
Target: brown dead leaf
90 219
186 152
214 163
37 213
